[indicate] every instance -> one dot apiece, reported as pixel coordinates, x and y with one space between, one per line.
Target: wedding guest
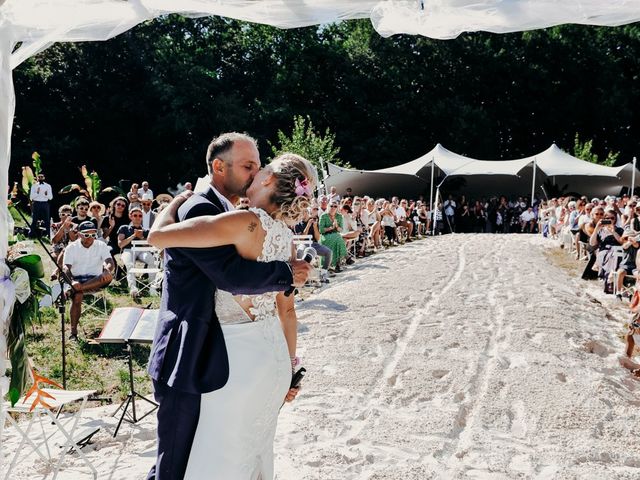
61 234
91 267
134 190
329 225
126 235
82 212
145 190
111 223
96 214
148 215
40 196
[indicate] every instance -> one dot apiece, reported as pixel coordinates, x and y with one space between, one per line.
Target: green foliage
584 151
306 141
92 188
37 163
146 104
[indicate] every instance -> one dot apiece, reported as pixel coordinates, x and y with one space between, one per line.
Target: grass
89 366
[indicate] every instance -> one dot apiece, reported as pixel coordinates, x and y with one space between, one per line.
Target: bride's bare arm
231 228
289 320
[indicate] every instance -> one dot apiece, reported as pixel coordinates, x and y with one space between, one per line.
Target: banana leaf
116 189
96 183
27 180
23 314
37 162
70 188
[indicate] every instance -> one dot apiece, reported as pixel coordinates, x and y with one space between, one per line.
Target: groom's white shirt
227 204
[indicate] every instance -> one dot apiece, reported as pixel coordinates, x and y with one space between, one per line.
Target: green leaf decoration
27 180
14 396
74 187
37 163
116 189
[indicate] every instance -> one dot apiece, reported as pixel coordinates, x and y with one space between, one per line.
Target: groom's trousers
178 416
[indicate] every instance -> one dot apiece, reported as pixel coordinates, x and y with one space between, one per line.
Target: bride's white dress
234 437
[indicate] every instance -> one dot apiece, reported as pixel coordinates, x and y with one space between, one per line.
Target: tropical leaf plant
92 187
29 290
37 163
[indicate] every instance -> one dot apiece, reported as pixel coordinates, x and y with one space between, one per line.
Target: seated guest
604 236
89 264
388 222
402 219
145 190
309 226
96 212
134 190
126 235
82 212
528 220
329 225
629 257
371 220
117 217
134 200
62 233
349 230
148 215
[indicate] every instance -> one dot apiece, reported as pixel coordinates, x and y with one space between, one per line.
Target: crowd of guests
92 242
605 234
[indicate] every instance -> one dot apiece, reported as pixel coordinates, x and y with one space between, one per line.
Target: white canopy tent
33 25
486 176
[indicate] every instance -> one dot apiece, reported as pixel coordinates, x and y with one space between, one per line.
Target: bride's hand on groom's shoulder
291 395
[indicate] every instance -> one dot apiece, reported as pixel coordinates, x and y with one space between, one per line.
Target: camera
605 221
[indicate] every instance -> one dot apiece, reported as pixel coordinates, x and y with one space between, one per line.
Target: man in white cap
89 264
148 216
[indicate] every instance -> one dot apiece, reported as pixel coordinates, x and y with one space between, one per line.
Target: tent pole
431 188
433 213
324 175
633 177
533 181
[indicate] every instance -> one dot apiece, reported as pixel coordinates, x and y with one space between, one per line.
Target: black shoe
350 261
73 336
338 269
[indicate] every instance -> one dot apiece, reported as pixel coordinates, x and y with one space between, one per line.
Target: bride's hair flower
303 187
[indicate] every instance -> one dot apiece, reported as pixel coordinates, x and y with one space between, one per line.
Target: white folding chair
142 246
300 242
64 431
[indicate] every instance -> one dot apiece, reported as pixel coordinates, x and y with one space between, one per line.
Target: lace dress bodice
277 246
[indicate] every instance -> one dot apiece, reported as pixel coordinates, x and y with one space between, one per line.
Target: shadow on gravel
323 304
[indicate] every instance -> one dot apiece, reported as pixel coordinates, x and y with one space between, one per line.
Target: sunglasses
64 214
82 207
95 207
121 205
89 235
136 216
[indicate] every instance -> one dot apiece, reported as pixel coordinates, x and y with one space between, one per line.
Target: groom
188 357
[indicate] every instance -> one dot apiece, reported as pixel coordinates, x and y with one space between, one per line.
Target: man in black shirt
82 213
126 235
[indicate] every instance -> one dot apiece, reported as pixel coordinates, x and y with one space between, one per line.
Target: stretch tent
30 26
485 176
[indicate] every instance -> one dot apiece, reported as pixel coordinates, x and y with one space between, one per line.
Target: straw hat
163 198
102 207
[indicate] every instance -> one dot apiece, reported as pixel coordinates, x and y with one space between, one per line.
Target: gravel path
461 357
458 357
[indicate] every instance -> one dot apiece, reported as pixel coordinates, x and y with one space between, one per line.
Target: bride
236 428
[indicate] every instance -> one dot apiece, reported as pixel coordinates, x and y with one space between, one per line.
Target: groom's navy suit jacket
188 350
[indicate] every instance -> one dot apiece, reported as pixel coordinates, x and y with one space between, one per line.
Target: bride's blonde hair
296 179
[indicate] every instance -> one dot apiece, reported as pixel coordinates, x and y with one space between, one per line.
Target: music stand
131 325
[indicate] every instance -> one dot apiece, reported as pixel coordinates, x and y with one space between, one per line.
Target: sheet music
146 327
120 325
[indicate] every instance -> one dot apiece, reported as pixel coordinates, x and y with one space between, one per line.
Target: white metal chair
64 431
142 246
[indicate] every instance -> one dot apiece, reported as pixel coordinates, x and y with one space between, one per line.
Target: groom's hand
300 270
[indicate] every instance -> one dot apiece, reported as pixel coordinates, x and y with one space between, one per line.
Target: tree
305 141
584 151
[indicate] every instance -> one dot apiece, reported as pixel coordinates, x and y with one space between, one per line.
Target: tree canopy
145 104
